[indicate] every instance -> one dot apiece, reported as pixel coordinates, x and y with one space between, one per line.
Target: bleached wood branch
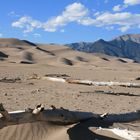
55 79
94 83
124 133
38 109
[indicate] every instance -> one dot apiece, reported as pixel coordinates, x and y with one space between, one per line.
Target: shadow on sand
81 130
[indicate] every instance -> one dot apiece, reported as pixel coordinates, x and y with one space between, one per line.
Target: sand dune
15 42
51 54
46 131
34 131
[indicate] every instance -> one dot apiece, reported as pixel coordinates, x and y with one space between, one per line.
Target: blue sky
66 21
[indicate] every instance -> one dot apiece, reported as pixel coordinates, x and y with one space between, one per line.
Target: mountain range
126 46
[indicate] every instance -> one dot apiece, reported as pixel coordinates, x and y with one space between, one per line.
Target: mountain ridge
127 46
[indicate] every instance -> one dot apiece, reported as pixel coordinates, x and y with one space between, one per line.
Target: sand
25 60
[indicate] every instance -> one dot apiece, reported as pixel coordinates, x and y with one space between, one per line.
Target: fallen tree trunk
60 116
124 117
110 93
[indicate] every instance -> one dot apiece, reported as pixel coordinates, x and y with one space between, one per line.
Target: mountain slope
127 46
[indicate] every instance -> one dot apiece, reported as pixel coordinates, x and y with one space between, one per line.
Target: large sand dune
23 66
15 42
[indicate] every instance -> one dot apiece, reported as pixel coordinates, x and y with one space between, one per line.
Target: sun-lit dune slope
15 42
34 131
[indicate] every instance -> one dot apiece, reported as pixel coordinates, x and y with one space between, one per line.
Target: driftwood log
60 116
92 83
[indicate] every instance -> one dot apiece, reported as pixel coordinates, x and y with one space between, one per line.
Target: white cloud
71 13
97 13
87 21
27 23
78 13
124 20
13 14
37 35
1 34
131 2
118 8
117 18
126 3
124 28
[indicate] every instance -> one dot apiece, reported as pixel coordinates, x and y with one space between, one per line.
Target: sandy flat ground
62 60
26 92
